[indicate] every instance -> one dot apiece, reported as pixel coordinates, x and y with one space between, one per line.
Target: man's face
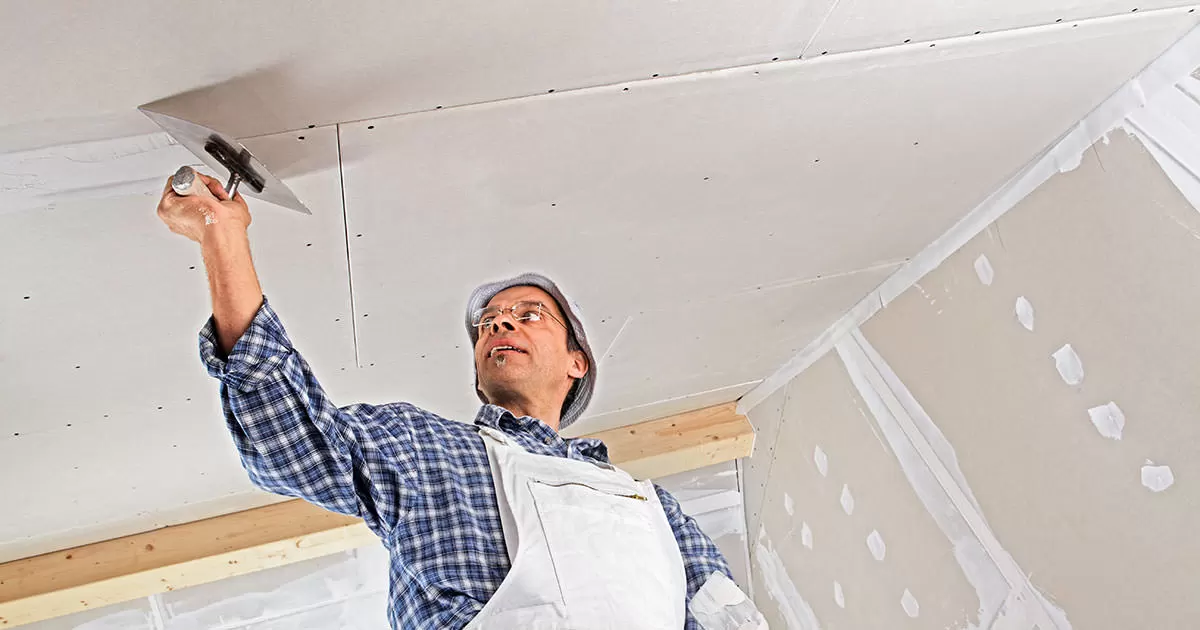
540 365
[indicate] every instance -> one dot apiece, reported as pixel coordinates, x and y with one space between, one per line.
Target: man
497 524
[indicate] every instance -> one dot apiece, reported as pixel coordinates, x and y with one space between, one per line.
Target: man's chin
508 375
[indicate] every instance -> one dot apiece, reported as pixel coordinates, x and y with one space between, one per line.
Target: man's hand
195 215
219 224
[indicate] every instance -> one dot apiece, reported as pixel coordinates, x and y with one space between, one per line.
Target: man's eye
534 316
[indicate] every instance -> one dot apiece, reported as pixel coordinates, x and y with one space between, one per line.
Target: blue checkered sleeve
701 557
293 441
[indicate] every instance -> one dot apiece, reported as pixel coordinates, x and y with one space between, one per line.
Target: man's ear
579 364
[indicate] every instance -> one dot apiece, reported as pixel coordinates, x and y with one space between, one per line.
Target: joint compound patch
821 460
805 535
983 269
1108 419
876 545
847 500
788 506
1070 368
911 606
1025 313
796 613
838 596
1157 478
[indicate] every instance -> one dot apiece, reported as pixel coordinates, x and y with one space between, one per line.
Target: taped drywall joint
1172 67
1169 127
931 467
796 613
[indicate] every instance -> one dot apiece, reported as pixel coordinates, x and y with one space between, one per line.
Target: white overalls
590 547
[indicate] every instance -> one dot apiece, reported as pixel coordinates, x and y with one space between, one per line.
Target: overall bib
590 547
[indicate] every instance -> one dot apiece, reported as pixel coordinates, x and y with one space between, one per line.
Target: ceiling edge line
674 399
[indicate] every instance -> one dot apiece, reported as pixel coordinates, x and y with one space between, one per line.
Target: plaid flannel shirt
422 483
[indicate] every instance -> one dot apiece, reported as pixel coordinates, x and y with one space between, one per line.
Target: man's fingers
214 186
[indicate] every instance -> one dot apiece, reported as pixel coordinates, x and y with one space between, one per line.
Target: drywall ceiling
710 224
76 72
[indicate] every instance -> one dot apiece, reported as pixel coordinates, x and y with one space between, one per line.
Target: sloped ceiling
714 183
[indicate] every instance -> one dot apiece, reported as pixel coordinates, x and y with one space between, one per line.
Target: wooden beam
122 569
679 443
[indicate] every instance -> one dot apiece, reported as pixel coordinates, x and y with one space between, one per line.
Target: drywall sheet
88 170
345 590
83 69
108 412
766 419
683 196
663 408
1056 352
704 344
862 24
840 516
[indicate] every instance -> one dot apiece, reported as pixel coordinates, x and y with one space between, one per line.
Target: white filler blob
1157 478
788 505
821 460
911 607
1025 313
1070 368
876 545
838 596
983 269
1109 420
847 500
805 535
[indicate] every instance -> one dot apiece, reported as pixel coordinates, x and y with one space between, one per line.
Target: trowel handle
186 182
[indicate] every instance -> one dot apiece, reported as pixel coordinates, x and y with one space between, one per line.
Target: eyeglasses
523 312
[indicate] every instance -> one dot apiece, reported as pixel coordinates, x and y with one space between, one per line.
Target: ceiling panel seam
675 398
1062 155
889 50
820 27
613 344
346 233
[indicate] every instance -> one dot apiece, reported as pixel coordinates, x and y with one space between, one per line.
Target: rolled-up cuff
259 352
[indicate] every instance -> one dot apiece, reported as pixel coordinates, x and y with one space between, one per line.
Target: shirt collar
503 420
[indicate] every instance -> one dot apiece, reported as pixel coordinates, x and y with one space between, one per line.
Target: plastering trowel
220 152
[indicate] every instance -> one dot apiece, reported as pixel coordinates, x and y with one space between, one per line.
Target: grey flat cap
581 393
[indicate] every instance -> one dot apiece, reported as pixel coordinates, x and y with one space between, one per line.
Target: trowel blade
194 137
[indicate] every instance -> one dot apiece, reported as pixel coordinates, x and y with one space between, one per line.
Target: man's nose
502 323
